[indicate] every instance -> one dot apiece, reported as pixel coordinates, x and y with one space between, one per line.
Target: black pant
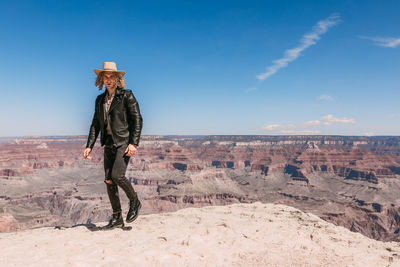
115 164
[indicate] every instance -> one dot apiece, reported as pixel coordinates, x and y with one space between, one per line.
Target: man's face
109 80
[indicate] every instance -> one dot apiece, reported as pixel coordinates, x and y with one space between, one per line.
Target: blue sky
205 67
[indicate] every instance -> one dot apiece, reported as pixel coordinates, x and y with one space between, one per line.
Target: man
117 117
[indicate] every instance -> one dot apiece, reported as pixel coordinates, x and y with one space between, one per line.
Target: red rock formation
8 223
351 181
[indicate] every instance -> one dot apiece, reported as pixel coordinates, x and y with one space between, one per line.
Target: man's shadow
92 227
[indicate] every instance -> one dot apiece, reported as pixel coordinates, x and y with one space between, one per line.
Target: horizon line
272 135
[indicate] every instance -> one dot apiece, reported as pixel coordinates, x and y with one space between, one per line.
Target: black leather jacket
124 117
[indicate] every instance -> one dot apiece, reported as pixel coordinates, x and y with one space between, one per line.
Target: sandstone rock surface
254 234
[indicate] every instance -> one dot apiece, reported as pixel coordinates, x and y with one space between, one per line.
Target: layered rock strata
350 181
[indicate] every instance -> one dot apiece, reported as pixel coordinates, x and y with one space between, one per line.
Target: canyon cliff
347 180
255 234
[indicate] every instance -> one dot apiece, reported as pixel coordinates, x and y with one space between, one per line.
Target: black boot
116 221
134 207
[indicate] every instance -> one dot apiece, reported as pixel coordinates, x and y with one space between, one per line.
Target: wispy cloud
384 41
304 128
325 97
293 129
273 127
312 123
306 41
369 134
329 119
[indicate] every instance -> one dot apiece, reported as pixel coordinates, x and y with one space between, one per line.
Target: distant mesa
350 181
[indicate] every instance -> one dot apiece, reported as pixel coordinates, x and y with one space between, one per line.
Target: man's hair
119 80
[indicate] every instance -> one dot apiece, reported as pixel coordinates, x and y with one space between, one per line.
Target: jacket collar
118 91
115 101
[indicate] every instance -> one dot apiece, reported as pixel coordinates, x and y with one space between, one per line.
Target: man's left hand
130 150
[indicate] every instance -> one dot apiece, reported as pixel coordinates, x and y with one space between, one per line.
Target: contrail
306 41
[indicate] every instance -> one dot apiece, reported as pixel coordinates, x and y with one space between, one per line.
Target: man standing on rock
117 117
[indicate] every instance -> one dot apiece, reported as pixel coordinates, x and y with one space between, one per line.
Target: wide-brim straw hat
109 66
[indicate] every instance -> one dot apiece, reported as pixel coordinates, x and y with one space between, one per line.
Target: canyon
351 181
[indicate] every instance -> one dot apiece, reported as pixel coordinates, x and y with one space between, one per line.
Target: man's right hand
86 153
